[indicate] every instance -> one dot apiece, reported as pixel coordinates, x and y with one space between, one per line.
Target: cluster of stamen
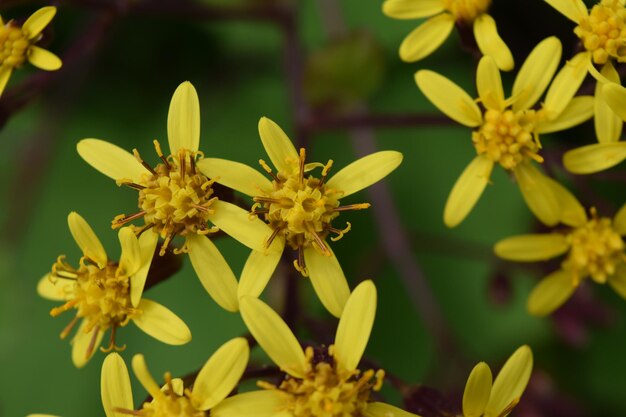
595 250
508 137
13 46
466 10
174 197
329 391
603 33
300 208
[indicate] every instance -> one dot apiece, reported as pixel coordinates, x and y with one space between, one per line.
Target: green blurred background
120 92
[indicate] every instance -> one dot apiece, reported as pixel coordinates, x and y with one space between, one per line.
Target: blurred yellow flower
442 14
175 198
100 290
299 209
17 44
506 131
325 386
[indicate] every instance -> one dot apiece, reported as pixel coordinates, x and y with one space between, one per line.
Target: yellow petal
355 326
86 239
178 386
328 280
237 222
467 190
566 84
277 144
213 271
426 38
579 110
111 160
531 248
115 386
449 98
608 124
81 342
615 96
274 336
551 292
38 21
43 59
56 290
511 381
574 10
377 409
235 175
39 415
619 222
594 158
183 119
411 9
220 374
489 84
254 404
364 172
131 259
5 74
536 73
258 270
490 43
160 323
147 244
572 212
477 390
617 281
538 194
145 378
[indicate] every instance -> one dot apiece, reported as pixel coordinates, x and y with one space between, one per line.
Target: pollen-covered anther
169 404
466 10
506 137
13 46
603 33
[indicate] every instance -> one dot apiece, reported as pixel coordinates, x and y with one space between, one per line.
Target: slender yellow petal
411 9
5 74
237 222
377 409
55 291
131 259
160 323
81 343
183 119
38 21
147 243
619 222
355 326
565 85
490 43
579 110
277 144
115 386
574 10
220 374
608 124
511 381
145 378
617 281
272 403
615 96
365 171
43 59
536 73
489 84
328 280
477 391
274 336
86 239
426 38
467 190
538 194
594 158
531 248
258 270
551 292
40 415
213 271
235 175
111 160
572 212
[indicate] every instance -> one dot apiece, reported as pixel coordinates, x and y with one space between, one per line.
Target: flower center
174 197
595 250
507 137
13 46
603 33
467 10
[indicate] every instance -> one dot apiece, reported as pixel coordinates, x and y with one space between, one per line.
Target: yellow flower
431 34
17 44
497 399
594 246
105 295
177 199
329 385
299 208
506 131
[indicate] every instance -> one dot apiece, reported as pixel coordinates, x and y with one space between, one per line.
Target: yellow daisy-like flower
299 208
485 397
105 295
17 44
329 385
175 198
506 131
595 248
427 37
